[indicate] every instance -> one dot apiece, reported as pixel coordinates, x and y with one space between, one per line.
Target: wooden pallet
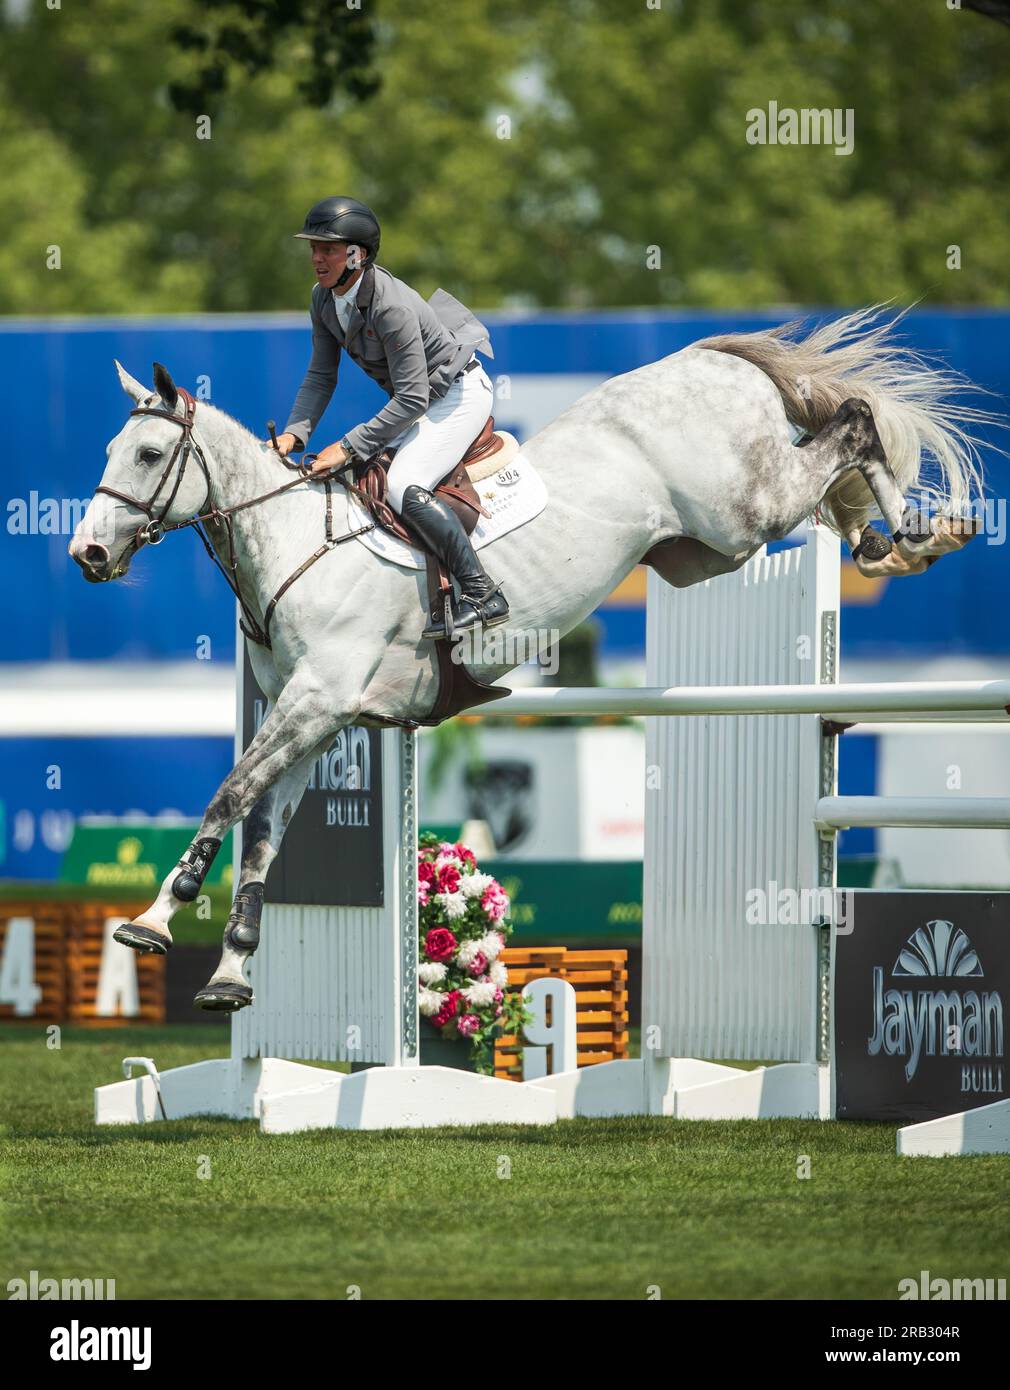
49 931
600 981
84 961
68 940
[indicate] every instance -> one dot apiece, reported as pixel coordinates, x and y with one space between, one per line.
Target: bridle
156 528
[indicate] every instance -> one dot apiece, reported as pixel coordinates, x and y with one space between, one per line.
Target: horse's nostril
96 555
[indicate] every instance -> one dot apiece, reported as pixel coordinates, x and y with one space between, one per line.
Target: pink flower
422 895
440 944
498 998
467 855
446 849
448 879
468 1025
448 1010
495 902
479 964
426 872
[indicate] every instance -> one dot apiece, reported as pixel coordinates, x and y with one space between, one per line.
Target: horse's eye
150 455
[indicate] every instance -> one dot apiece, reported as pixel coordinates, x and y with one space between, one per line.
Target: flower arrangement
463 926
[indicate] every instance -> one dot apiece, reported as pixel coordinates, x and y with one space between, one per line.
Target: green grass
592 1209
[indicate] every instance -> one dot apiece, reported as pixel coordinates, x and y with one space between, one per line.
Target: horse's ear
130 384
165 386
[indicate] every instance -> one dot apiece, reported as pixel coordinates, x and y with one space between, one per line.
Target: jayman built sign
921 986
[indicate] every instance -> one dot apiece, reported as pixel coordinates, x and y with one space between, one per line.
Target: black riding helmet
343 219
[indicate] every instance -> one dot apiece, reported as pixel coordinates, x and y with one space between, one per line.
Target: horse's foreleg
302 718
262 834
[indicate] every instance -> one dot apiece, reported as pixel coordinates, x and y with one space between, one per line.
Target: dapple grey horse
690 459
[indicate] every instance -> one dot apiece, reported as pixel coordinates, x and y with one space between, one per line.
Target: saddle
457 689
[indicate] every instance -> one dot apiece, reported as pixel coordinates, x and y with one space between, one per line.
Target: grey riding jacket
412 348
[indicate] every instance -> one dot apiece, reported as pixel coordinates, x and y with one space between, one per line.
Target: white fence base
597 1092
985 1130
288 1097
405 1098
230 1087
685 1088
794 1090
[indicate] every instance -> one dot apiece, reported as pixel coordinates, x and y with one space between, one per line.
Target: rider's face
329 258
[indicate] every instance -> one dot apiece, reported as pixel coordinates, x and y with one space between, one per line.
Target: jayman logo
956 1022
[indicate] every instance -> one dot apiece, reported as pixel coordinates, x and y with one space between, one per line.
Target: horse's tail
926 434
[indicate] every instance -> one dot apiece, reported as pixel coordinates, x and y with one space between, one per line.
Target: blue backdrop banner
64 405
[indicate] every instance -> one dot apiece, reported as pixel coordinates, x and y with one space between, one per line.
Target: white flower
492 945
430 972
474 885
467 951
499 975
429 1001
453 903
479 993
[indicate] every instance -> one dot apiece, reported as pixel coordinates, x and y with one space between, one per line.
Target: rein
154 531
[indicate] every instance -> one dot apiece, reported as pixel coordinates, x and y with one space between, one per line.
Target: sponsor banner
331 854
133 856
560 902
543 363
921 986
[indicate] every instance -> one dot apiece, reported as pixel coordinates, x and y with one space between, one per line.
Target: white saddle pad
513 495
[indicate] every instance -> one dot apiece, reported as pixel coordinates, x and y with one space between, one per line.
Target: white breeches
430 446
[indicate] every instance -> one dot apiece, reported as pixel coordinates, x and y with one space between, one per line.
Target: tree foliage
519 152
246 34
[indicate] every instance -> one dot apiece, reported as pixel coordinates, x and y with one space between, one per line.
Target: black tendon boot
481 603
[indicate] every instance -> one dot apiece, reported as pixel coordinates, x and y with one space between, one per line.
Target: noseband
156 528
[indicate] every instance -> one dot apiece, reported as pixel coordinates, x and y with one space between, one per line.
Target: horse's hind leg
262 833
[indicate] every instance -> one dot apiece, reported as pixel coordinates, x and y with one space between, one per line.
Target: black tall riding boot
481 603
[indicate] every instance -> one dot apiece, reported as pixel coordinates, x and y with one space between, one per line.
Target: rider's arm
399 330
320 379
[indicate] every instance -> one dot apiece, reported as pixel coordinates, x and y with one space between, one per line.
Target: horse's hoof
874 545
146 940
224 997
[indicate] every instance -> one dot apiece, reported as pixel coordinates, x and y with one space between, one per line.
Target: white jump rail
899 699
937 812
